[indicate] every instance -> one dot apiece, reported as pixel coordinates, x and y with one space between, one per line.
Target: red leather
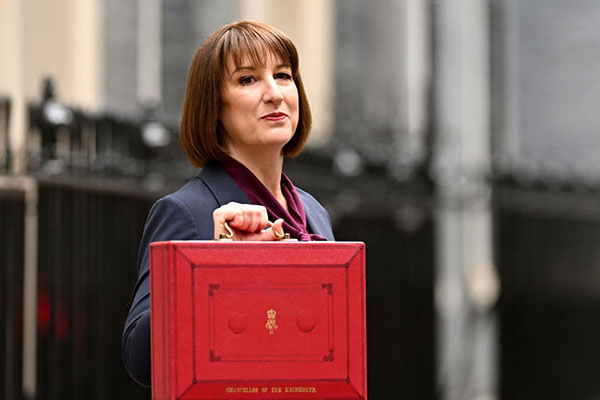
270 320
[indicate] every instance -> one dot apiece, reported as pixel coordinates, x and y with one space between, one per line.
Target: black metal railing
12 211
548 258
87 258
67 141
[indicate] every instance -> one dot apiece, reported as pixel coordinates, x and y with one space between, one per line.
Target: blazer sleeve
169 219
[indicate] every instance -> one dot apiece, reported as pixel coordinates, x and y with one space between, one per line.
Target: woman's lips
277 116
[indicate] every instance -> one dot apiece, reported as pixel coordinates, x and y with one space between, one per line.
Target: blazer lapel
311 221
223 188
317 220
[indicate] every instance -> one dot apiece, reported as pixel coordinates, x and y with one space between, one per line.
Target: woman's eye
283 75
247 80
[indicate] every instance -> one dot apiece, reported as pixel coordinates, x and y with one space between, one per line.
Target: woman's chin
274 139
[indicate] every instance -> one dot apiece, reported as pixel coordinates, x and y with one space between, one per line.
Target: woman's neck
266 168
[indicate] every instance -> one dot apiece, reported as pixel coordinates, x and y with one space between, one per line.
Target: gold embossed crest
271 324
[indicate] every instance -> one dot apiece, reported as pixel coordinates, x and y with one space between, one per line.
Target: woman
245 109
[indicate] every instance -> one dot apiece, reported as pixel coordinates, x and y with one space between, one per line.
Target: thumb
277 229
273 232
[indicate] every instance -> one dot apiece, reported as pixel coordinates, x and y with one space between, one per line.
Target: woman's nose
272 92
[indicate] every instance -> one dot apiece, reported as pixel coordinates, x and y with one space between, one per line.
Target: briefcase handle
278 235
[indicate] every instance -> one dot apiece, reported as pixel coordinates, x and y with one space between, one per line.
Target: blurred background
459 139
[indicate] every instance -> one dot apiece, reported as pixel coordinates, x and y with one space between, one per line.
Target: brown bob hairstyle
200 131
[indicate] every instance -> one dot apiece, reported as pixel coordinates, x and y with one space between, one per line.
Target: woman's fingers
251 219
241 218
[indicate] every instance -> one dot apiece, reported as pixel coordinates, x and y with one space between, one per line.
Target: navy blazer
187 215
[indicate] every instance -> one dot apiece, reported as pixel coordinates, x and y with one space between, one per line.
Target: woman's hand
247 221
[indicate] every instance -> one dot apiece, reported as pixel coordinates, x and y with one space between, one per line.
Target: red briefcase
268 320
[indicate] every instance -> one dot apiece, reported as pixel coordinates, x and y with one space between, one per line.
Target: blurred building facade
457 138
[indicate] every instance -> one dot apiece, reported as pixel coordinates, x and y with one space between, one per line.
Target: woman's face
259 105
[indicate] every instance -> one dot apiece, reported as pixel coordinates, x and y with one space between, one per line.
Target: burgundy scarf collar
294 221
